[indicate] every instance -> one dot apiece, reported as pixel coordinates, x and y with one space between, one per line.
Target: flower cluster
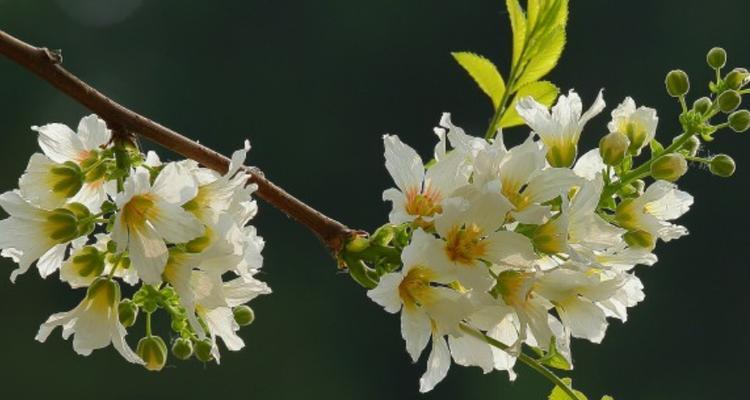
97 210
490 248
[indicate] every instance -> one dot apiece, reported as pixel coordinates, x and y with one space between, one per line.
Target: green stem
531 362
148 325
644 169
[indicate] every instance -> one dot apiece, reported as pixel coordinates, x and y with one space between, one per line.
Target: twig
46 64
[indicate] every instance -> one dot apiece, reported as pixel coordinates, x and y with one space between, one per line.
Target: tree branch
46 64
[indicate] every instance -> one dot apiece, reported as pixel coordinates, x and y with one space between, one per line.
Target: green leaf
608 398
554 359
544 57
533 7
485 74
558 394
543 91
518 25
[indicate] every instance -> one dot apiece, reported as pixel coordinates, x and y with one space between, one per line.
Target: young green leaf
544 57
558 394
518 25
543 91
485 74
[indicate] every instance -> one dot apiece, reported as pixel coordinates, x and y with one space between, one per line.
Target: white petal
51 260
174 224
93 132
415 329
437 365
510 248
59 142
403 163
584 319
386 293
221 323
148 254
470 351
175 184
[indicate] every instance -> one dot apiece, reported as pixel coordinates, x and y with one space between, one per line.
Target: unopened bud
62 225
182 348
243 315
691 147
153 352
669 167
677 82
639 185
737 78
702 105
66 179
729 101
613 147
203 350
722 165
88 262
716 58
127 311
739 121
639 239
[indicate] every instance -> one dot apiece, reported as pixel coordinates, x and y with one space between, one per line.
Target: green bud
613 147
669 167
691 147
729 101
702 105
383 235
67 179
127 312
639 185
182 348
153 352
203 350
737 78
62 225
677 82
722 165
243 315
716 58
739 121
639 239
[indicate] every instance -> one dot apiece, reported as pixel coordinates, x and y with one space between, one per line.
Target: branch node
54 56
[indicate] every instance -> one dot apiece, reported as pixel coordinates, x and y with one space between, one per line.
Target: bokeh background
314 85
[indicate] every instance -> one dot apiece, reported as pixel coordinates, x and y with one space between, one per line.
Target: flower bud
243 315
702 105
737 78
127 312
182 348
178 325
62 225
66 179
677 82
153 352
613 147
639 239
722 165
739 121
203 350
691 147
729 101
639 186
716 58
669 167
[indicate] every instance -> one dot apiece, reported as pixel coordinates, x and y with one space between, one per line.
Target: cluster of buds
492 248
100 212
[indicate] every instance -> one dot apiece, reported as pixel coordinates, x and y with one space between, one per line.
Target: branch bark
46 64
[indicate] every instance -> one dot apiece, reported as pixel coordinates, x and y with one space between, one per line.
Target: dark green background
314 85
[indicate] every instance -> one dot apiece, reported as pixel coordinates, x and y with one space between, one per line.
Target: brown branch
46 64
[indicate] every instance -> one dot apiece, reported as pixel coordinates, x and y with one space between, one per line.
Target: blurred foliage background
314 85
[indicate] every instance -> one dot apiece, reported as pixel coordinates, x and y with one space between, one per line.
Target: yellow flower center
423 204
415 288
549 238
199 203
465 245
635 132
138 210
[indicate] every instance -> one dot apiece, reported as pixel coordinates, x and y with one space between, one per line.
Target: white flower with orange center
69 170
561 128
419 192
470 238
94 323
430 309
150 216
